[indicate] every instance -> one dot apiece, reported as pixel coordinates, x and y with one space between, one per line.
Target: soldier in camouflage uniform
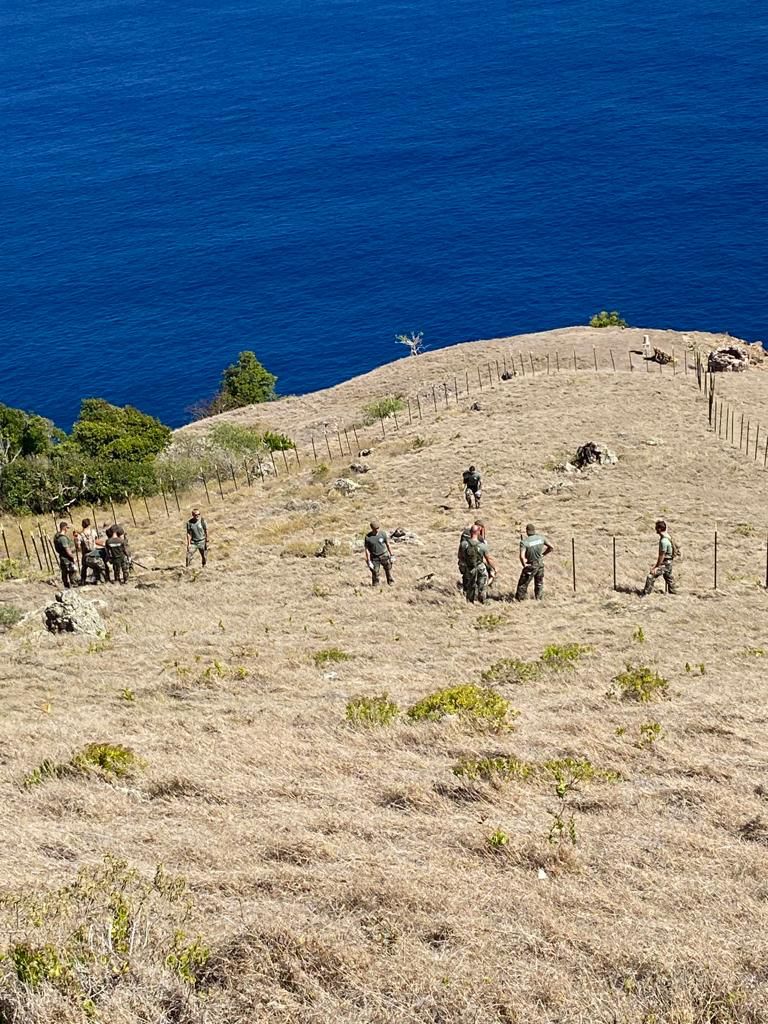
533 548
480 567
378 554
96 561
473 487
463 541
118 554
664 562
197 537
64 547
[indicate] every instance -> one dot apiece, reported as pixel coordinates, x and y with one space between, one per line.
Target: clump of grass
478 703
372 711
382 408
639 683
608 319
9 569
109 761
638 635
489 621
299 549
754 652
320 473
745 529
509 671
9 616
563 771
702 668
330 656
648 735
563 657
497 840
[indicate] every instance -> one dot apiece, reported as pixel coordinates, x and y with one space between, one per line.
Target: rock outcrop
71 613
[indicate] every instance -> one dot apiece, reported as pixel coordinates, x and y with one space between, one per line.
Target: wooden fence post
218 477
594 356
5 543
613 361
614 563
37 553
205 485
573 562
24 542
715 561
130 508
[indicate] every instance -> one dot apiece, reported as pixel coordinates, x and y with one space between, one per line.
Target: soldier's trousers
68 571
120 569
99 569
201 548
530 572
476 585
377 564
665 570
473 497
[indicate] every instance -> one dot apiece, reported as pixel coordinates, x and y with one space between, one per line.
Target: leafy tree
124 434
24 434
245 382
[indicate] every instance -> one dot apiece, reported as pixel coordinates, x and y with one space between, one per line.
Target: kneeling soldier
533 548
378 554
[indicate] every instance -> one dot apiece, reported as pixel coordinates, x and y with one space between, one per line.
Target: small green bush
35 965
648 735
372 711
564 771
498 839
639 683
563 657
9 569
382 408
107 760
606 319
330 656
475 702
9 616
489 621
508 671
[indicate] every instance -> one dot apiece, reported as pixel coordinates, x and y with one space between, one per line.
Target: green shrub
563 657
606 319
639 683
382 408
371 711
497 840
107 760
565 771
245 382
9 569
35 965
469 701
489 621
511 671
276 442
330 656
648 735
9 616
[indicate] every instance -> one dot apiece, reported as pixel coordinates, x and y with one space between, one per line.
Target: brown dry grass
342 875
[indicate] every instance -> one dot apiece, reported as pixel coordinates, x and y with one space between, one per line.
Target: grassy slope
342 875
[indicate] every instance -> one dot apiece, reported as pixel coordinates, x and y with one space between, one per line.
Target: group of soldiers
478 569
91 555
90 552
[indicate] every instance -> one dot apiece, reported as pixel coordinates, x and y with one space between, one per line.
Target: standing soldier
117 554
378 554
463 541
479 566
64 547
86 542
473 487
533 548
668 551
197 537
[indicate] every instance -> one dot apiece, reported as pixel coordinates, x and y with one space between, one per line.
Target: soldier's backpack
473 556
676 552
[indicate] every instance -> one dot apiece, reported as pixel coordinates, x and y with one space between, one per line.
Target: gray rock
345 486
71 613
728 359
365 453
476 407
359 467
404 537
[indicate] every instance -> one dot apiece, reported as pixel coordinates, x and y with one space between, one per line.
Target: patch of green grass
563 657
498 839
745 529
382 408
608 319
508 671
564 771
639 683
638 635
330 656
9 569
9 616
35 965
478 703
702 668
754 652
109 761
372 711
489 621
648 735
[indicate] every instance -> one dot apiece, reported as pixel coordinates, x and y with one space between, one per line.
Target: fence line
538 365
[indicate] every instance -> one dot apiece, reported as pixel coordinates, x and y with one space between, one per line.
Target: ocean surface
184 180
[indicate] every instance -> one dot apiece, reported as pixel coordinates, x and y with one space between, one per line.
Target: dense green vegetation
115 451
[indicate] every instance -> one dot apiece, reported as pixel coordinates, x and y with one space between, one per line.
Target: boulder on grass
71 613
728 359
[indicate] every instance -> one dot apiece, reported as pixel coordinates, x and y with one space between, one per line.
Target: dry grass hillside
338 873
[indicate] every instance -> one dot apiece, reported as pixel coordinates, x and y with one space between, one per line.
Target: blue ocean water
183 180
